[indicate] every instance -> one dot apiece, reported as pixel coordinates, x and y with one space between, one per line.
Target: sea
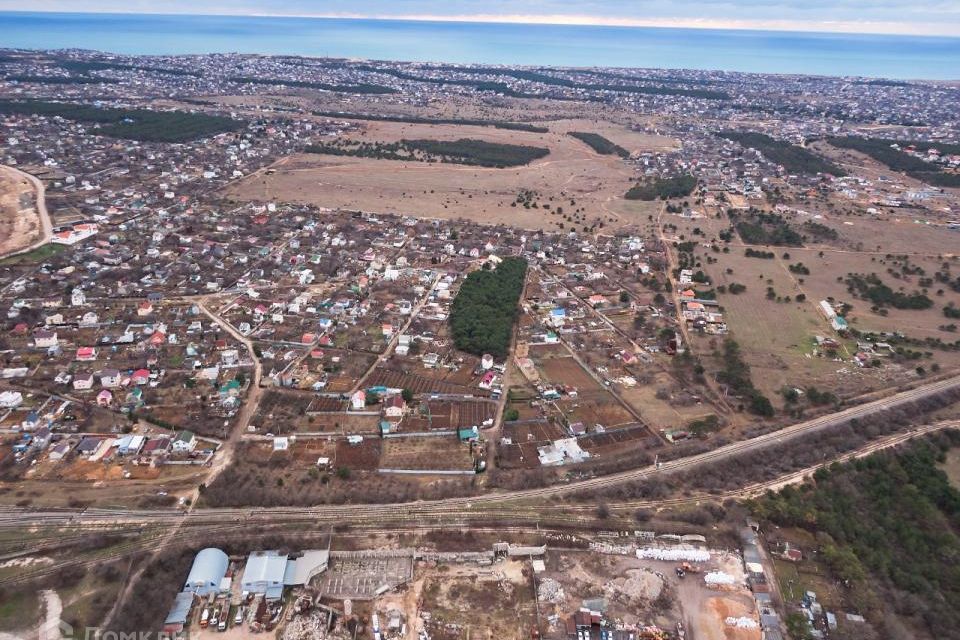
833 54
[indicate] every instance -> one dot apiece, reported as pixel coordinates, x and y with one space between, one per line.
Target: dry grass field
572 171
776 337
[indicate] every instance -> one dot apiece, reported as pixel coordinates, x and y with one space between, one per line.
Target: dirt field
426 454
566 370
19 221
452 596
572 171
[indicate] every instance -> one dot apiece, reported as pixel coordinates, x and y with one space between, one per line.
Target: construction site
626 585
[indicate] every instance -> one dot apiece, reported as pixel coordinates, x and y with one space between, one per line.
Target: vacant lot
426 454
572 177
19 220
566 371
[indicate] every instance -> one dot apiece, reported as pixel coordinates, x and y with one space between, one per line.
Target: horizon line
817 27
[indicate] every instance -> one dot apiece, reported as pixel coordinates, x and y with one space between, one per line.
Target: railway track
522 518
19 517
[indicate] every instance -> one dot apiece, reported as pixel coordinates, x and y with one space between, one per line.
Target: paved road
528 501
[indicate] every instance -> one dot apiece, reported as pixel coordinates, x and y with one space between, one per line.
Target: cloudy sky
930 17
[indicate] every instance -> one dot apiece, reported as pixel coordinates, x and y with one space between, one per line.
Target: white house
110 378
184 442
44 339
358 400
83 382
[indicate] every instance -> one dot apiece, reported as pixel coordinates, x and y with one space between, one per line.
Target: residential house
358 400
83 382
110 378
184 442
44 339
104 398
60 450
157 446
394 407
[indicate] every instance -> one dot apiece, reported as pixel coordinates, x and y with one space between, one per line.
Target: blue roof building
208 570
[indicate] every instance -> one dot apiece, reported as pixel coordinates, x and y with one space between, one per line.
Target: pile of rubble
550 591
307 626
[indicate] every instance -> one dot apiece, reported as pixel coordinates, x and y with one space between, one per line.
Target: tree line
601 145
467 122
131 124
871 287
323 86
466 151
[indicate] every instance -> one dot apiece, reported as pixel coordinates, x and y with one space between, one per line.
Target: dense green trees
478 152
880 150
871 287
463 151
60 79
600 144
496 124
483 313
86 66
300 84
887 526
736 375
759 227
793 158
132 124
663 188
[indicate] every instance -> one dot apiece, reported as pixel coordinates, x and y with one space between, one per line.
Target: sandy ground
572 171
20 223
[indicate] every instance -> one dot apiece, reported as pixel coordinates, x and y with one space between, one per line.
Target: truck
204 618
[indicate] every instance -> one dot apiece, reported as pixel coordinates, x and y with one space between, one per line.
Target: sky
914 17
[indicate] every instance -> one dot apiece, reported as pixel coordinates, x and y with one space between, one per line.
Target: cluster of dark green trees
542 78
736 375
820 231
887 527
463 151
496 124
131 124
600 144
61 79
880 150
871 287
479 85
758 227
791 157
662 188
302 84
485 309
86 66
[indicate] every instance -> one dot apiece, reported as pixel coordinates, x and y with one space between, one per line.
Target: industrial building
264 574
268 572
208 571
